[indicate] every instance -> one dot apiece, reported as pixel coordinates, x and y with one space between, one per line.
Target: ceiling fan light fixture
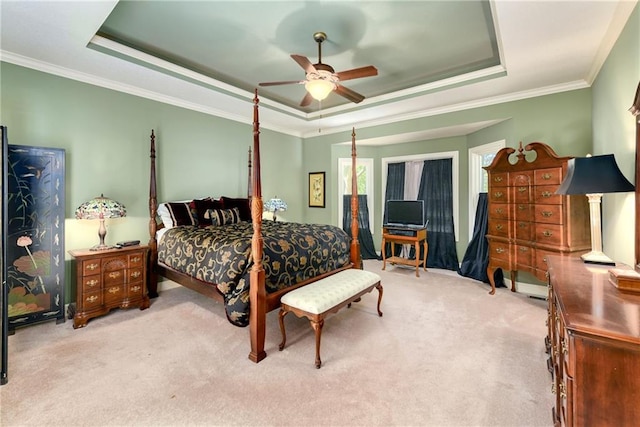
319 89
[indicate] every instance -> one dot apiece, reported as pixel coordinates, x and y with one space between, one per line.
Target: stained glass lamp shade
274 205
101 208
594 176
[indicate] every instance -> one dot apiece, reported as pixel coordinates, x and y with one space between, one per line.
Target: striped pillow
223 216
181 214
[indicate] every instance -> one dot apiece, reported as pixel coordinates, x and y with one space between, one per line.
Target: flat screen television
405 213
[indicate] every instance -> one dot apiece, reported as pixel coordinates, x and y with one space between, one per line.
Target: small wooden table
405 236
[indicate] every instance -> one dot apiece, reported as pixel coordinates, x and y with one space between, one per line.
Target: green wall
106 137
614 133
561 120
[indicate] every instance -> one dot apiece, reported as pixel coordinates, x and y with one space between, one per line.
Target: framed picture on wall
316 189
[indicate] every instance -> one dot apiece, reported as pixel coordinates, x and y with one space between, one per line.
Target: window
364 176
478 179
453 155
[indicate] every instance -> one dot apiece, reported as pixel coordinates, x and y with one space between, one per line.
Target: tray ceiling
432 57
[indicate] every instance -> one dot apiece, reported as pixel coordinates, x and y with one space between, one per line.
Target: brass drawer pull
547 233
546 176
563 391
114 290
498 194
497 179
114 274
136 288
92 282
547 214
499 211
547 194
135 259
92 266
522 207
499 227
500 250
92 298
522 189
565 348
523 249
135 274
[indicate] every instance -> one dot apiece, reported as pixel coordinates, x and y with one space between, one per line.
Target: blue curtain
436 189
476 258
367 248
394 191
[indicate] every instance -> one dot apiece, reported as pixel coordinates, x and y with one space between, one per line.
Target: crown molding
136 91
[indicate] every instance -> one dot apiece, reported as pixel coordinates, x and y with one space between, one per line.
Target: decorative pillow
223 216
243 205
202 206
165 216
180 213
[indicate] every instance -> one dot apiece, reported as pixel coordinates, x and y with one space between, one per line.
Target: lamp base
100 248
596 257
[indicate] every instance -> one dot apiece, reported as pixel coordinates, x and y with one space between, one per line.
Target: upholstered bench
328 295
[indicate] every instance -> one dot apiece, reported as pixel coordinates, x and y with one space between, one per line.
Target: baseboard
166 284
531 289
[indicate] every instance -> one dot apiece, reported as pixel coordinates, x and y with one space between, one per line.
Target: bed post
152 287
257 290
355 243
249 183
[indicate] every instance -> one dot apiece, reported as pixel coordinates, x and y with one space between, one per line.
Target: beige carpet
445 354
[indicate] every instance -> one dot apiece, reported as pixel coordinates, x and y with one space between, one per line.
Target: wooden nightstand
108 279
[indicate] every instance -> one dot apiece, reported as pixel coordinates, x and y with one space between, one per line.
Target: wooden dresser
108 279
593 345
527 220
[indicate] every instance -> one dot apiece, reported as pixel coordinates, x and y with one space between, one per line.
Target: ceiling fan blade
304 62
306 100
356 73
290 82
348 93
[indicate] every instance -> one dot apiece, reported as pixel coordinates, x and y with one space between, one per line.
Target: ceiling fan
321 79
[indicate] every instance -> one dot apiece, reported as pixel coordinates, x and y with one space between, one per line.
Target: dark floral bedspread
221 254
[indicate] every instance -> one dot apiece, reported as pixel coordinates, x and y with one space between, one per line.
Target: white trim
463 106
13 58
368 164
455 172
475 168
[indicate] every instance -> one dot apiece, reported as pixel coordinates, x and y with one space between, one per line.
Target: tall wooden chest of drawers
593 346
527 220
108 279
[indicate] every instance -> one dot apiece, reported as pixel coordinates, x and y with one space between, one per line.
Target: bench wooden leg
379 288
317 326
284 335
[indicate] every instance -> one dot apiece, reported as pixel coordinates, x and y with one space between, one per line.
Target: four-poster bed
249 265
